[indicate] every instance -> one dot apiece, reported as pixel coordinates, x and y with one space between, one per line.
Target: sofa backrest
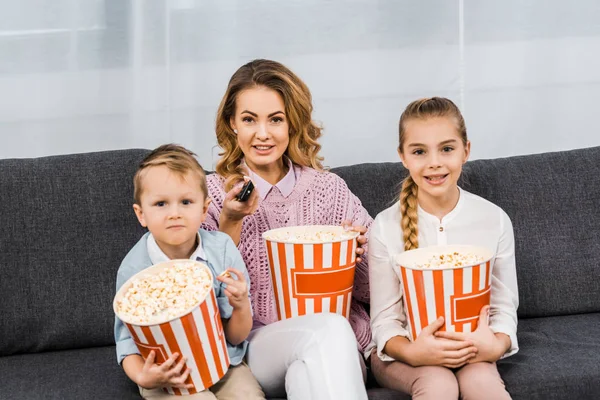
553 200
66 223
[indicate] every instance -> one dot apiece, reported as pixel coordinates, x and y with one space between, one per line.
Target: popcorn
451 260
309 235
157 298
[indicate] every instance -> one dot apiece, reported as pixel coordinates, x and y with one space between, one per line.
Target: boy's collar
158 256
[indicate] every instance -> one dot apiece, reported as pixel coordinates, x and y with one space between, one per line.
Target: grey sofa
66 222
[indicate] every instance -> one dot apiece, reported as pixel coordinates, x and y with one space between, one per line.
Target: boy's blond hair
177 158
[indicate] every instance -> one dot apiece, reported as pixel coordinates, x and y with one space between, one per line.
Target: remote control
247 189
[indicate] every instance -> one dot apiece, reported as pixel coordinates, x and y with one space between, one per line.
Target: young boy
170 199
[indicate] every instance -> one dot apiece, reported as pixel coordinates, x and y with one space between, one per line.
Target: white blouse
474 221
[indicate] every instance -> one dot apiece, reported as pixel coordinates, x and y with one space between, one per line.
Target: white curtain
90 75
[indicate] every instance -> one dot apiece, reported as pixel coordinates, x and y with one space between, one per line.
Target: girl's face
262 128
434 153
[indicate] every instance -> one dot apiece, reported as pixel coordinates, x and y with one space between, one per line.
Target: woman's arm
225 213
357 216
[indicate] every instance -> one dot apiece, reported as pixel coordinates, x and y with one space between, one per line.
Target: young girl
433 210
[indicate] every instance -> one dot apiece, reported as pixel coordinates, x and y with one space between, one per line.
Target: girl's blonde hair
303 148
177 159
422 109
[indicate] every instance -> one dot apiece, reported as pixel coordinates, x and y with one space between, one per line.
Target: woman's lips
263 150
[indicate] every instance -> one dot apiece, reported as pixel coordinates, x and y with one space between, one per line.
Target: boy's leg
481 381
159 394
421 383
238 384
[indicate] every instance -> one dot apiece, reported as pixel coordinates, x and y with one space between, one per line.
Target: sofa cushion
66 224
85 374
70 374
553 202
558 359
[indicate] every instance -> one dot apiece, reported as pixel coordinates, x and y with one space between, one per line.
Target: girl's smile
434 153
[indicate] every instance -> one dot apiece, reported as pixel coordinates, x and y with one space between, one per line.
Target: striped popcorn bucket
456 293
197 335
311 277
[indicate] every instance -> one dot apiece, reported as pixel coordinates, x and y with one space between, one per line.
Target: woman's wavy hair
303 148
422 109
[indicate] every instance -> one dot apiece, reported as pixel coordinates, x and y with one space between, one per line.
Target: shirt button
441 229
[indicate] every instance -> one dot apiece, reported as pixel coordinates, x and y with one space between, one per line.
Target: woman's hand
361 239
234 210
169 373
431 350
491 346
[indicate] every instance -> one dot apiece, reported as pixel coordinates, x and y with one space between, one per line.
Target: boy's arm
238 322
132 365
125 344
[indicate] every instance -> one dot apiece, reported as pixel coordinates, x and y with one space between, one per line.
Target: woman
265 128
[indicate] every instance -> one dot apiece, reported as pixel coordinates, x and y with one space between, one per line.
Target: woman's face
262 128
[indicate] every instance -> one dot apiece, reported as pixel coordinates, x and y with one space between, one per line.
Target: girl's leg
309 357
481 381
422 383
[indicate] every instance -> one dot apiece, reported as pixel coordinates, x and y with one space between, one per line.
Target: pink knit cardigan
319 198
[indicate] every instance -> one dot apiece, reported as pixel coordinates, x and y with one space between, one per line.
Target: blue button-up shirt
215 249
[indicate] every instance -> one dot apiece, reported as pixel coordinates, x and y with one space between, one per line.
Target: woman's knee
335 327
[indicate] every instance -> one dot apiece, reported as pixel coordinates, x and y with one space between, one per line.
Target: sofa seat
559 358
88 373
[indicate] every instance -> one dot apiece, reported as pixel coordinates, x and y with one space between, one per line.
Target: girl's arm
388 320
505 295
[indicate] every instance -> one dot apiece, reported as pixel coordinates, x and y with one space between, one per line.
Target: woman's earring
235 131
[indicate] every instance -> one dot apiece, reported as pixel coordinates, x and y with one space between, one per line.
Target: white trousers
313 357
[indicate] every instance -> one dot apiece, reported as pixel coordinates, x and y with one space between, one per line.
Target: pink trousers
473 381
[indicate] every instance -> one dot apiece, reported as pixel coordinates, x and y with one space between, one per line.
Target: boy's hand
236 290
168 374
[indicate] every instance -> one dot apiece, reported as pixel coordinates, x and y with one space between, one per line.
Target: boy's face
172 207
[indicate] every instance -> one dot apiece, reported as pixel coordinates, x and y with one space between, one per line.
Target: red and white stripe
198 336
312 278
455 294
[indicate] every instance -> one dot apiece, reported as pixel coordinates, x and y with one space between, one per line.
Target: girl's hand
431 350
235 210
361 239
490 346
168 373
236 290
